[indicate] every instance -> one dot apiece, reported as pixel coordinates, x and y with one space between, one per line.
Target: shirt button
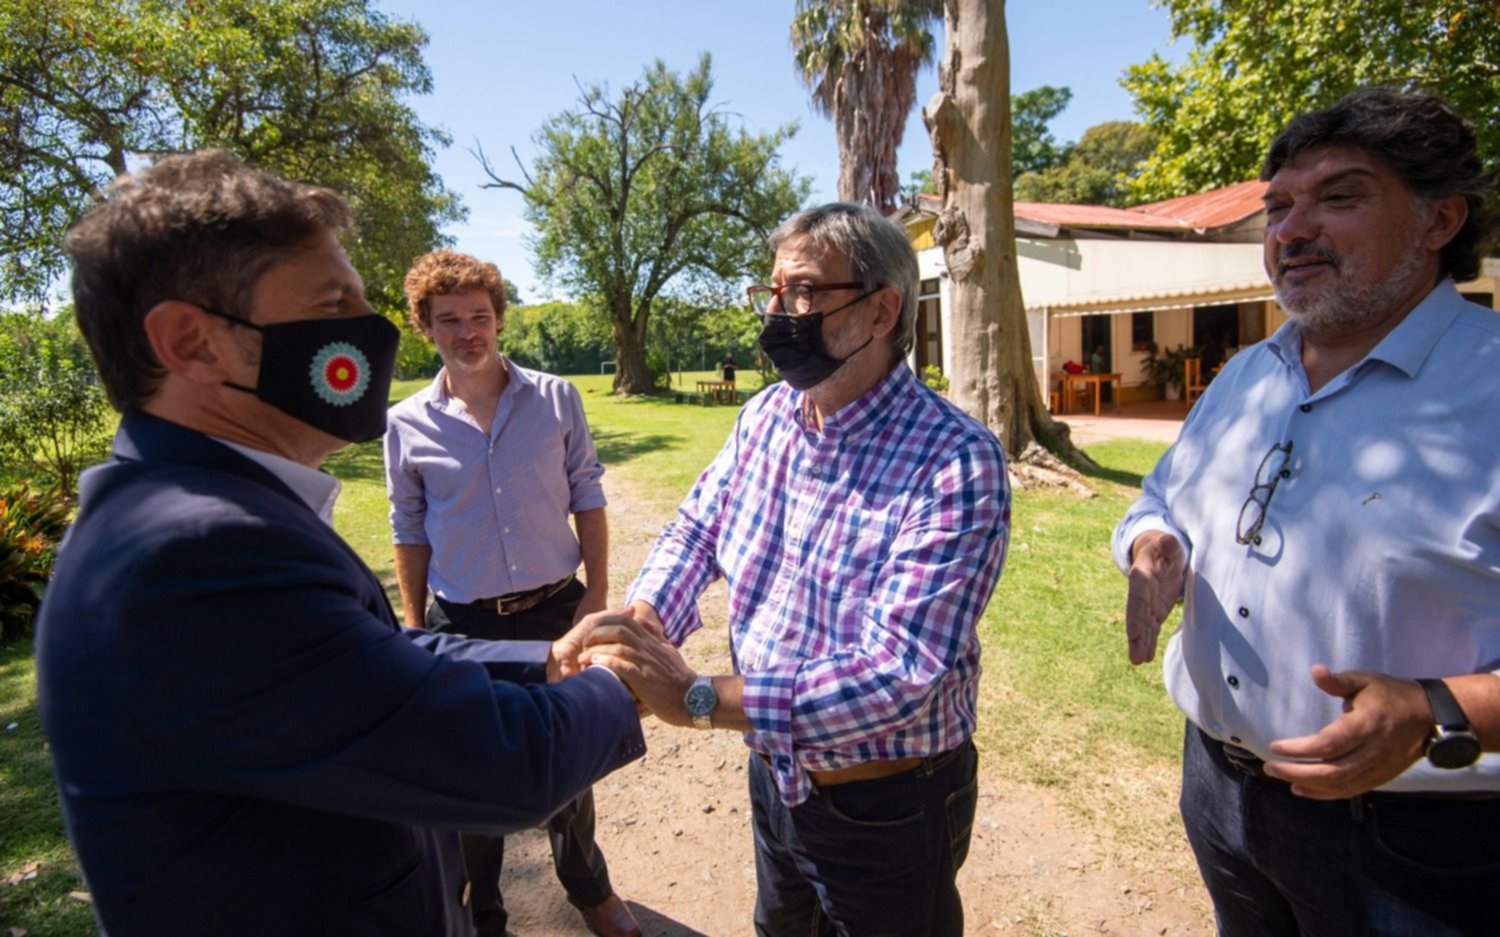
1244 612
1233 680
513 567
1286 473
1306 408
507 530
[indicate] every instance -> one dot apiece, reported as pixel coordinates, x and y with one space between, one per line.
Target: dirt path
675 830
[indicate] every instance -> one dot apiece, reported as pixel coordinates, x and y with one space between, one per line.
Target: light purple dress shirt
858 561
494 508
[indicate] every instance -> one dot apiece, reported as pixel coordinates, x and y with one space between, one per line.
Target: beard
1349 304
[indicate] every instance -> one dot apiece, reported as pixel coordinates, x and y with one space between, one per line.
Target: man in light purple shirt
860 522
483 468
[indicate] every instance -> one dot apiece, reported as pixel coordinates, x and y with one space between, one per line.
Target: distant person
245 741
860 521
484 466
728 366
1097 363
1330 515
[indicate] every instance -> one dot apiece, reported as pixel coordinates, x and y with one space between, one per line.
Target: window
1142 330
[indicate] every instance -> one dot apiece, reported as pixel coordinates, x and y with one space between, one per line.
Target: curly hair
446 273
1424 139
197 227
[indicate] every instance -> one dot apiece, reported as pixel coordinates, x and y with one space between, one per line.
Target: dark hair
1424 139
448 273
199 227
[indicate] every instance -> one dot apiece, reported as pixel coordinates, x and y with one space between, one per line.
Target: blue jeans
868 859
1380 864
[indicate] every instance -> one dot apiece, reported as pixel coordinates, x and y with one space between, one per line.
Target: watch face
701 699
1454 750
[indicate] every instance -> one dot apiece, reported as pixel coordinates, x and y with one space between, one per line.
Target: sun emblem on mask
340 373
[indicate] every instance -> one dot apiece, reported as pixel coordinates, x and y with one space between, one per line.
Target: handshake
632 643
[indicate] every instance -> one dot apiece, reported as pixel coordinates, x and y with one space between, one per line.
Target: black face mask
332 374
795 346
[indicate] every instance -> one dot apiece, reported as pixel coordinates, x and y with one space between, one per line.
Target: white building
1184 272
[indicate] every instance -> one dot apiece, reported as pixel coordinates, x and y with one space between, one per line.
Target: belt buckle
1244 759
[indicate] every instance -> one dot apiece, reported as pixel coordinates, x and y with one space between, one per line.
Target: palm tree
859 59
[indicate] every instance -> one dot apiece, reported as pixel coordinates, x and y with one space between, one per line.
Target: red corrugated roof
1213 209
1092 216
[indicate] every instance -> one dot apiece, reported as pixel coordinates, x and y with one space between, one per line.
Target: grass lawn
1058 698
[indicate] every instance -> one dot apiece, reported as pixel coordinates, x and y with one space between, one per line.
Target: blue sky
500 69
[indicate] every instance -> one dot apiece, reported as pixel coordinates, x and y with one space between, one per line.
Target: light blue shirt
1381 547
494 507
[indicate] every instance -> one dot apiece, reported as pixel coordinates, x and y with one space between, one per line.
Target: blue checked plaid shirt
858 562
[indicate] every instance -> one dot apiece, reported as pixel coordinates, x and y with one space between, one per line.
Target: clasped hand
632 643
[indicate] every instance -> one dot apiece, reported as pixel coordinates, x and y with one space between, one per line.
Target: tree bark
992 376
632 376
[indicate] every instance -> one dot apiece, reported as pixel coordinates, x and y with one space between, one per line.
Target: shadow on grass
363 462
616 447
1118 476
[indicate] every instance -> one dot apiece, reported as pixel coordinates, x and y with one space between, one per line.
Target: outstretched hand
1158 568
653 669
1383 730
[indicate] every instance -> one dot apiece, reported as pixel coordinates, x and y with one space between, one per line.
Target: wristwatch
701 701
1452 743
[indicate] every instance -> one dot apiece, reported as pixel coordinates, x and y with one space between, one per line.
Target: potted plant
1168 368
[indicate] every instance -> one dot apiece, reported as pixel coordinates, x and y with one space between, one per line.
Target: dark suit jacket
244 740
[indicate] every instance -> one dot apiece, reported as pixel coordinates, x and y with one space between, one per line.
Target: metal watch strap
1445 709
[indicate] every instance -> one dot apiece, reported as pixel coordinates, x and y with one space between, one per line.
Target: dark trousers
868 859
1380 864
576 858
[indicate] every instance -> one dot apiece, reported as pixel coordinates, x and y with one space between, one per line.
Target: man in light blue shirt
1330 517
483 469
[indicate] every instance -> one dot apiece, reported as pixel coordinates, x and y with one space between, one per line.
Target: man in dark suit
244 740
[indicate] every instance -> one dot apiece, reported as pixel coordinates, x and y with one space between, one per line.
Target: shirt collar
1406 347
440 398
317 489
864 411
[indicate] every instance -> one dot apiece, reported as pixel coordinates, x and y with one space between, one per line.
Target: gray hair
878 251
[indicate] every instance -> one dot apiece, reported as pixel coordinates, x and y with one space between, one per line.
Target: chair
1193 383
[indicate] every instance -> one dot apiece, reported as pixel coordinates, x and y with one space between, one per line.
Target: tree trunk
632 376
991 376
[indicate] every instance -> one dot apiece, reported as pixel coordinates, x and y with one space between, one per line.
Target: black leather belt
522 601
1251 764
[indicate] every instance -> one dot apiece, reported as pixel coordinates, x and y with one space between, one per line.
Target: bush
53 411
31 525
934 378
416 357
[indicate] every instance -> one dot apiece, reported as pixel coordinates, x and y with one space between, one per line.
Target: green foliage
312 89
558 337
649 192
416 356
53 411
31 524
1255 65
1032 147
933 377
1169 367
859 60
1097 170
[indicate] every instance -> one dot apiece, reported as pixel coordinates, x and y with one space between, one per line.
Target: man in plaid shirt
860 522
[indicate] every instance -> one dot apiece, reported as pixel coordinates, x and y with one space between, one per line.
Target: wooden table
717 392
1094 381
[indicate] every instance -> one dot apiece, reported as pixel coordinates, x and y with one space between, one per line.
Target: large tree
313 89
651 190
859 59
992 375
1255 65
1097 170
1032 146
